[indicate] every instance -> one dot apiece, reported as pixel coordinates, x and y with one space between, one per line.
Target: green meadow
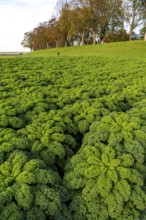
120 50
73 133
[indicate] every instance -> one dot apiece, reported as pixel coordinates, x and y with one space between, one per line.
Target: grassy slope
123 50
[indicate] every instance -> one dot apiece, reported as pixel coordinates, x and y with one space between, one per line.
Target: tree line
80 22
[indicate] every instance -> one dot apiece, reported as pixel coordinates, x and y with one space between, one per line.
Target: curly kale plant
105 185
107 175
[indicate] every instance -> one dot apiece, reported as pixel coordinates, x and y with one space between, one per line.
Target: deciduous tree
134 12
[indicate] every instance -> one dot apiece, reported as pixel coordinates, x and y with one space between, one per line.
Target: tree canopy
87 22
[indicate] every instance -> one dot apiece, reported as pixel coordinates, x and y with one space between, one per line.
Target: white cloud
20 16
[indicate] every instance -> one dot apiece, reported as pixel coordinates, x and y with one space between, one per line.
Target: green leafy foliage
72 139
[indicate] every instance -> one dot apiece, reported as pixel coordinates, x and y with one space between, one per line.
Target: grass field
120 50
73 134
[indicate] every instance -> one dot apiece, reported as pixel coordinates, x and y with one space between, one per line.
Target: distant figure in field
133 37
58 53
105 40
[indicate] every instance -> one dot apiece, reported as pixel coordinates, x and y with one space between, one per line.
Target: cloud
20 16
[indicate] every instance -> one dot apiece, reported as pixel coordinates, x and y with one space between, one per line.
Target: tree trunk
56 42
65 44
144 36
112 28
83 38
94 37
65 40
131 28
47 45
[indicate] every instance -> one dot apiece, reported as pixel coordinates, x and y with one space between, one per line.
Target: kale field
72 138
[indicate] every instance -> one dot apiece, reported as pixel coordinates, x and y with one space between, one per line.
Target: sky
20 16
